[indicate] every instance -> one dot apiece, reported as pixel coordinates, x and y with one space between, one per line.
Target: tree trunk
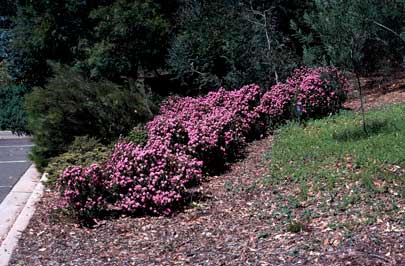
363 114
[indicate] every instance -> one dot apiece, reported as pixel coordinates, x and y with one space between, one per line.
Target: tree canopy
200 44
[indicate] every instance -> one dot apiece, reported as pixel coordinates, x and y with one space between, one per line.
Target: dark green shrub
70 105
12 113
138 136
84 151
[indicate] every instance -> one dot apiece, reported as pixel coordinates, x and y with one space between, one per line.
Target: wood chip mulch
379 91
229 225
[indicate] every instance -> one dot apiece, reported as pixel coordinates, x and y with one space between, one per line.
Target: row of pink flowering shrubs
191 137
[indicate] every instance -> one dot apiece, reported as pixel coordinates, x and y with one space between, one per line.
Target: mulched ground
231 226
236 220
379 90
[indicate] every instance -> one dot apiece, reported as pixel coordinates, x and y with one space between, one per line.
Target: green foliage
105 39
12 113
41 34
360 35
83 151
7 7
247 41
334 150
130 35
138 136
70 105
235 50
294 227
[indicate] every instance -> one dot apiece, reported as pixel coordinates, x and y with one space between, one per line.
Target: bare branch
256 12
264 25
388 29
268 10
255 22
195 70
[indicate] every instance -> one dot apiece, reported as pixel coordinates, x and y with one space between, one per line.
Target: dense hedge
319 91
83 151
188 138
12 113
211 128
72 106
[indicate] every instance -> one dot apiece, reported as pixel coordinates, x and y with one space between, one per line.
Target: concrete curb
16 211
10 135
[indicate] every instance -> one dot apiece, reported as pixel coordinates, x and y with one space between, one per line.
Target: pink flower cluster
83 189
191 136
320 91
211 128
151 179
134 179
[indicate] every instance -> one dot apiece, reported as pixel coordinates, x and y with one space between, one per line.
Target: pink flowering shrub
320 91
276 104
83 189
134 179
211 128
151 179
191 136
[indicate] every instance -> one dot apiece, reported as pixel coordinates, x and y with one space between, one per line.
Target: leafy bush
73 106
275 105
83 189
12 114
84 151
152 179
320 91
192 136
138 136
213 128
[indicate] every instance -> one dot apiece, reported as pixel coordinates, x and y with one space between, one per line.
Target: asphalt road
13 163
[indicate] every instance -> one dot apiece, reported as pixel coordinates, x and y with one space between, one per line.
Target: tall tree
105 39
47 30
341 31
129 36
230 43
7 10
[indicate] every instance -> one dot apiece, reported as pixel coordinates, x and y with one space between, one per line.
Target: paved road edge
21 212
10 135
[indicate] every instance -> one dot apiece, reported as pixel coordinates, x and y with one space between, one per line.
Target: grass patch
327 150
331 169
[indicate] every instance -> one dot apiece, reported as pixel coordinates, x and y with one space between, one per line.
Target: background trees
357 35
199 44
129 36
230 43
104 39
154 48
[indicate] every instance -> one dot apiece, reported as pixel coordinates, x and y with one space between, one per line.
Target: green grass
333 150
330 170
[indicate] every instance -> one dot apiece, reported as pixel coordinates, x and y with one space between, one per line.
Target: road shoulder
16 210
